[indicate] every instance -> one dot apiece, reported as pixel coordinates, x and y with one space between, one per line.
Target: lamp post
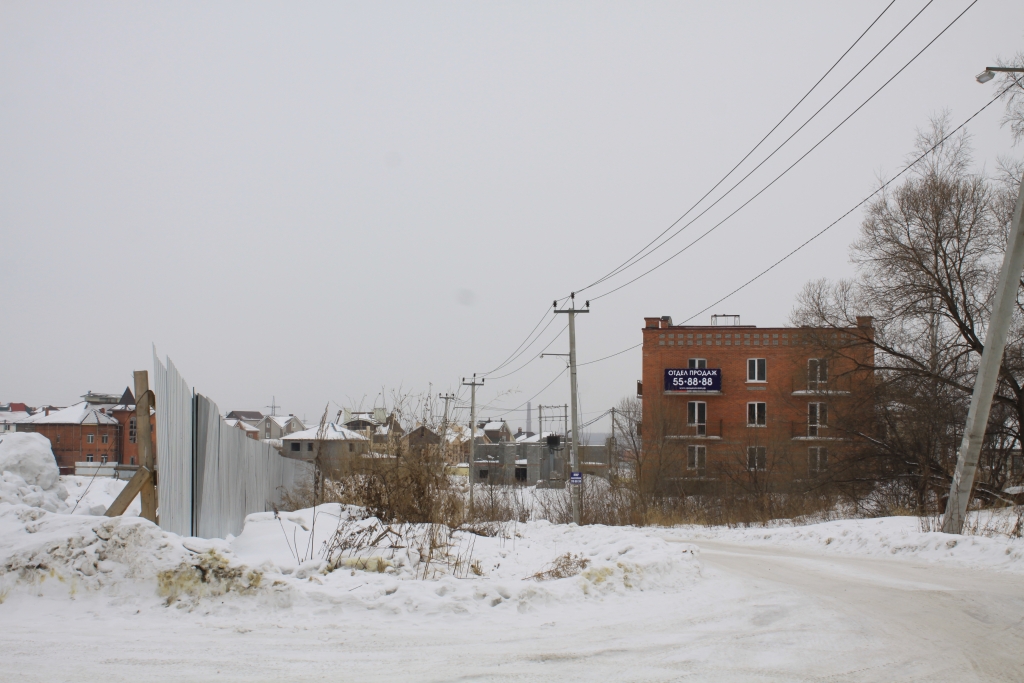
991 359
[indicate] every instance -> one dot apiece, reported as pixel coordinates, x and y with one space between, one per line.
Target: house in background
102 428
249 430
251 417
340 448
420 438
278 426
497 431
11 414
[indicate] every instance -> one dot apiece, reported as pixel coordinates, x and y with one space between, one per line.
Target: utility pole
473 384
991 362
444 422
574 458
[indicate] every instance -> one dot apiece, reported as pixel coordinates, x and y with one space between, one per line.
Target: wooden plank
142 477
143 402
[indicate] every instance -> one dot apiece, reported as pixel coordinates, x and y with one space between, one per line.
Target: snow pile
900 537
281 559
93 495
29 473
427 568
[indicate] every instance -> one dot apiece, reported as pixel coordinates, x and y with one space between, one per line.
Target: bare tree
927 260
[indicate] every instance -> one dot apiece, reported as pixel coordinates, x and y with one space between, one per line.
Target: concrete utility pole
574 457
991 362
473 384
444 422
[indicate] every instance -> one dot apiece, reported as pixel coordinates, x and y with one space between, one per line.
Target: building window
351 447
309 446
520 474
757 458
103 458
105 438
697 417
132 460
483 474
58 439
696 457
88 438
817 419
132 433
817 373
296 446
757 414
88 457
266 431
698 363
757 370
817 461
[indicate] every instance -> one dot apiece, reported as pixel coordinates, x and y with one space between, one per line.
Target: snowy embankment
896 537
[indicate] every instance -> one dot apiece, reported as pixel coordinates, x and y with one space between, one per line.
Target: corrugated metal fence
210 476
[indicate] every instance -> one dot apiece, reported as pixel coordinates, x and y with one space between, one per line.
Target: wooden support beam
142 477
143 402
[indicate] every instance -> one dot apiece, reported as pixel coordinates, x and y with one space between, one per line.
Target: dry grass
563 567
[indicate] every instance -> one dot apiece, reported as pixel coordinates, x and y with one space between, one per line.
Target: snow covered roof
493 426
80 413
12 416
332 433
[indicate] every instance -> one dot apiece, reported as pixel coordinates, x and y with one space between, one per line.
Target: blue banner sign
693 379
575 477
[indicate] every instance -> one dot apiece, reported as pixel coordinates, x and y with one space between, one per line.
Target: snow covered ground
87 598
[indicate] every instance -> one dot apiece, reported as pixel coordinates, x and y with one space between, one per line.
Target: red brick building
102 428
746 404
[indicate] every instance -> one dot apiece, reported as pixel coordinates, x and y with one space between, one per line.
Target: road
756 613
928 622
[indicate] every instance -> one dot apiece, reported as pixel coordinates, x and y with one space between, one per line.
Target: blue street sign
575 477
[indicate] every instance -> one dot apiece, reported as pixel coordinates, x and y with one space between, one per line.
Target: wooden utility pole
144 480
575 476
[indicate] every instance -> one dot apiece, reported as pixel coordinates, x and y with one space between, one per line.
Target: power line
827 227
630 261
854 208
536 356
535 395
791 166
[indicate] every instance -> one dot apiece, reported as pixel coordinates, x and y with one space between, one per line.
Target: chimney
666 321
652 323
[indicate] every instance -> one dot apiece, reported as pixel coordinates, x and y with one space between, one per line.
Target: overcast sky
314 201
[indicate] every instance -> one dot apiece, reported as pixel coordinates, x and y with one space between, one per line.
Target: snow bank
900 537
93 495
29 473
29 456
288 558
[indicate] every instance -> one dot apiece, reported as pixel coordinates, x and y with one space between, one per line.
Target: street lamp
990 72
991 358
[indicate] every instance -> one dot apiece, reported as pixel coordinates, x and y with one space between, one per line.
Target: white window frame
817 373
760 458
817 418
694 410
697 363
760 414
757 370
90 438
817 460
696 457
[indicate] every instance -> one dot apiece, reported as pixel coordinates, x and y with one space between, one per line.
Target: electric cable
630 261
791 166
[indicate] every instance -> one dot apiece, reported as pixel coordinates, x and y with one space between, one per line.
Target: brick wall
785 438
